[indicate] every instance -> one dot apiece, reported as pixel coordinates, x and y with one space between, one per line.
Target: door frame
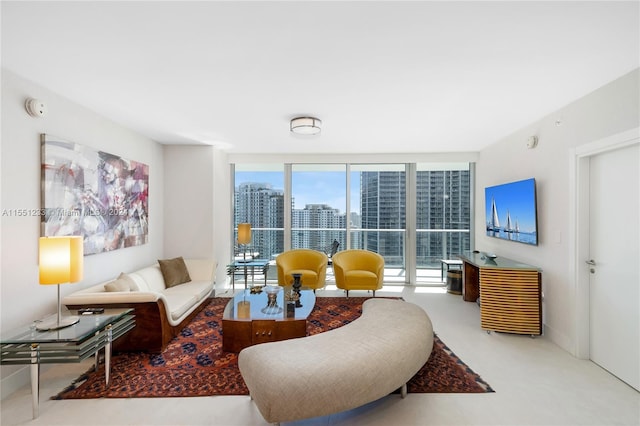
579 211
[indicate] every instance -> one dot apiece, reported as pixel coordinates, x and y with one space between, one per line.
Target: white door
614 287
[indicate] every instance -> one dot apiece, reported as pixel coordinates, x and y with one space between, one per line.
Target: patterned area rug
194 364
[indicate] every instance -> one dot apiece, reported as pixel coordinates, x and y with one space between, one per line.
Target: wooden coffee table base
247 320
239 334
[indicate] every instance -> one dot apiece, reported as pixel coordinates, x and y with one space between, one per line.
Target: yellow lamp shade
244 233
60 259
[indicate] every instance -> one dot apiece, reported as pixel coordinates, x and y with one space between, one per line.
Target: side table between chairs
263 264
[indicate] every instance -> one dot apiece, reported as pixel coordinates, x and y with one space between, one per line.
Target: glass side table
75 343
261 264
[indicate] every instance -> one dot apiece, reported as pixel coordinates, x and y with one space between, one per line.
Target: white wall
223 204
188 201
197 208
22 299
609 110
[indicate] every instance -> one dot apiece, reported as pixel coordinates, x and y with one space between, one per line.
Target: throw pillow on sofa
174 271
122 283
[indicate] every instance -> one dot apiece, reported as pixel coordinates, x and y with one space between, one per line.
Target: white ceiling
385 77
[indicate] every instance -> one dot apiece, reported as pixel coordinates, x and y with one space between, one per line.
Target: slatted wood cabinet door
511 300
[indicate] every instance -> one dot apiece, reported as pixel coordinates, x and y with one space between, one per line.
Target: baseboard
559 339
19 379
15 381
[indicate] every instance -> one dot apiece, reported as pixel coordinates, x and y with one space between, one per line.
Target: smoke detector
35 107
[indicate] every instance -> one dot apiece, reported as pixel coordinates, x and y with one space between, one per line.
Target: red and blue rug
193 364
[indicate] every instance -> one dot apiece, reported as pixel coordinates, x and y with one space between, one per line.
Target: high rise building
443 200
263 207
443 205
327 219
382 209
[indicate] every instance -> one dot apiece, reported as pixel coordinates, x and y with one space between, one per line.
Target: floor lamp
60 261
244 238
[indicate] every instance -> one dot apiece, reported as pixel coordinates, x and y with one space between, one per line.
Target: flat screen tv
511 211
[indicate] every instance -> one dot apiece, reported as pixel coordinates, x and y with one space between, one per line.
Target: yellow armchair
358 270
312 264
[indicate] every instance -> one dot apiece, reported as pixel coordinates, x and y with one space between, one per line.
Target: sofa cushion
360 279
199 289
200 269
122 283
132 283
152 276
117 285
178 303
139 282
174 271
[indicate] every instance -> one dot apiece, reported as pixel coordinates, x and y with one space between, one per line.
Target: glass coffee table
249 318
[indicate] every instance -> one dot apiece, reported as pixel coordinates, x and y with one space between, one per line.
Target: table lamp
244 238
60 262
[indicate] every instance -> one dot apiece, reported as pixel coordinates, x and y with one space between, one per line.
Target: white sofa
340 369
161 312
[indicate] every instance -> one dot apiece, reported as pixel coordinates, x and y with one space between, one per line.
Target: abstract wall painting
101 196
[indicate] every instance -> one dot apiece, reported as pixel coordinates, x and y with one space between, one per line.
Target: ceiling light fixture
306 125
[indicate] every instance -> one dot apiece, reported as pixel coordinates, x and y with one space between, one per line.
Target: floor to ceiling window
379 207
318 206
443 213
259 201
359 206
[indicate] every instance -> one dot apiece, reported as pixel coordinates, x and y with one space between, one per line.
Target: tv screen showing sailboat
511 211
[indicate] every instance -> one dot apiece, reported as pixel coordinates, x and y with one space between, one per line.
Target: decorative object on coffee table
272 307
296 288
291 309
244 309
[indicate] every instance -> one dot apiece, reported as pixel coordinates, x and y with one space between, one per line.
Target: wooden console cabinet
510 293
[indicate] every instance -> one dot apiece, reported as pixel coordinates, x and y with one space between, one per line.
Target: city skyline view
378 195
322 187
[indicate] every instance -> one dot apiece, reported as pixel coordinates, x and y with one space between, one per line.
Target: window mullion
287 206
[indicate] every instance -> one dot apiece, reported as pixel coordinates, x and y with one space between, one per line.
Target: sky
324 187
